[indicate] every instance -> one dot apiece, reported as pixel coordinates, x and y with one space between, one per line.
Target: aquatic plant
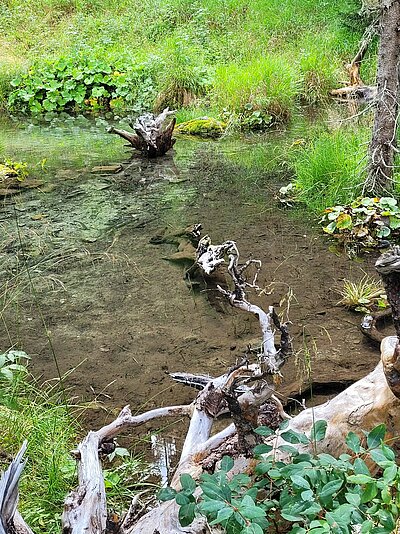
365 221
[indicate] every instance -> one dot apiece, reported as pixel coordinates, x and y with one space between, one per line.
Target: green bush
184 75
312 493
81 83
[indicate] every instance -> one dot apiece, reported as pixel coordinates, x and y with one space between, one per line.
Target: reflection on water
164 451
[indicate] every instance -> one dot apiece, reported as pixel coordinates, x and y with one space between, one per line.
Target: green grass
328 169
227 52
40 416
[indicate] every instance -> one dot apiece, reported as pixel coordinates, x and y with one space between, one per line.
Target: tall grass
328 169
264 53
268 83
40 416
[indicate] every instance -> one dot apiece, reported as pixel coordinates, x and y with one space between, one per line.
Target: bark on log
153 135
382 147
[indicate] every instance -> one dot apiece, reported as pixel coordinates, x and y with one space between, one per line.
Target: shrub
262 91
184 76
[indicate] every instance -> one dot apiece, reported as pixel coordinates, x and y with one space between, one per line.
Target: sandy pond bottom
120 314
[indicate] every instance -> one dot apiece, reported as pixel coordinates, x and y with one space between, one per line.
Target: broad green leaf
370 491
2 360
353 442
344 221
264 431
182 499
359 479
187 482
307 495
384 231
253 529
353 498
223 514
166 494
5 371
300 481
330 229
376 436
263 448
390 473
209 506
330 488
360 467
186 514
318 430
226 463
294 437
394 222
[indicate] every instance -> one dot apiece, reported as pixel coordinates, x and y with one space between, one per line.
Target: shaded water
82 285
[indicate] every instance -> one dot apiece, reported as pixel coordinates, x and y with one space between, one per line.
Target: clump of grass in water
328 169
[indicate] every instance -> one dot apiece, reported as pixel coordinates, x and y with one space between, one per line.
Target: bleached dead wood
153 134
11 521
372 400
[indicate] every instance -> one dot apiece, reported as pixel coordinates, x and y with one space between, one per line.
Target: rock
203 127
107 169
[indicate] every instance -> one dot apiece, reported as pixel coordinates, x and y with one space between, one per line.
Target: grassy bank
42 415
233 55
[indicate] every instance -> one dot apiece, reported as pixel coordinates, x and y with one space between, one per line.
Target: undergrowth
42 415
258 60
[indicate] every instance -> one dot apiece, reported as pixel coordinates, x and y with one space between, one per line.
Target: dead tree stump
152 134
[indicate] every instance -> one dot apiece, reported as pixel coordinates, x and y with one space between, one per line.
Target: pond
90 297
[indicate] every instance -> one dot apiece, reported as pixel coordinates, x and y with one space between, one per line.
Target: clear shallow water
114 309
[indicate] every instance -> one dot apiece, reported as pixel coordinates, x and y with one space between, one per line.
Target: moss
204 127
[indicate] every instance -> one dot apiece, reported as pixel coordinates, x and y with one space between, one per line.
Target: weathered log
153 134
11 521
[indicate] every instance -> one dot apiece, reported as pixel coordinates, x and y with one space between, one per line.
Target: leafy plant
366 220
363 295
20 168
312 493
12 366
79 83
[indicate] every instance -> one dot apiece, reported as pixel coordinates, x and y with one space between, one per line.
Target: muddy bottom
87 295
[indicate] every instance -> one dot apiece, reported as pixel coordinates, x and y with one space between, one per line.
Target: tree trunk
382 147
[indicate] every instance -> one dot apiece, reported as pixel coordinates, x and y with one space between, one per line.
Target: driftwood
242 391
152 134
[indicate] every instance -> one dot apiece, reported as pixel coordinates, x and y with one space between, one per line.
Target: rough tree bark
153 135
372 400
382 147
